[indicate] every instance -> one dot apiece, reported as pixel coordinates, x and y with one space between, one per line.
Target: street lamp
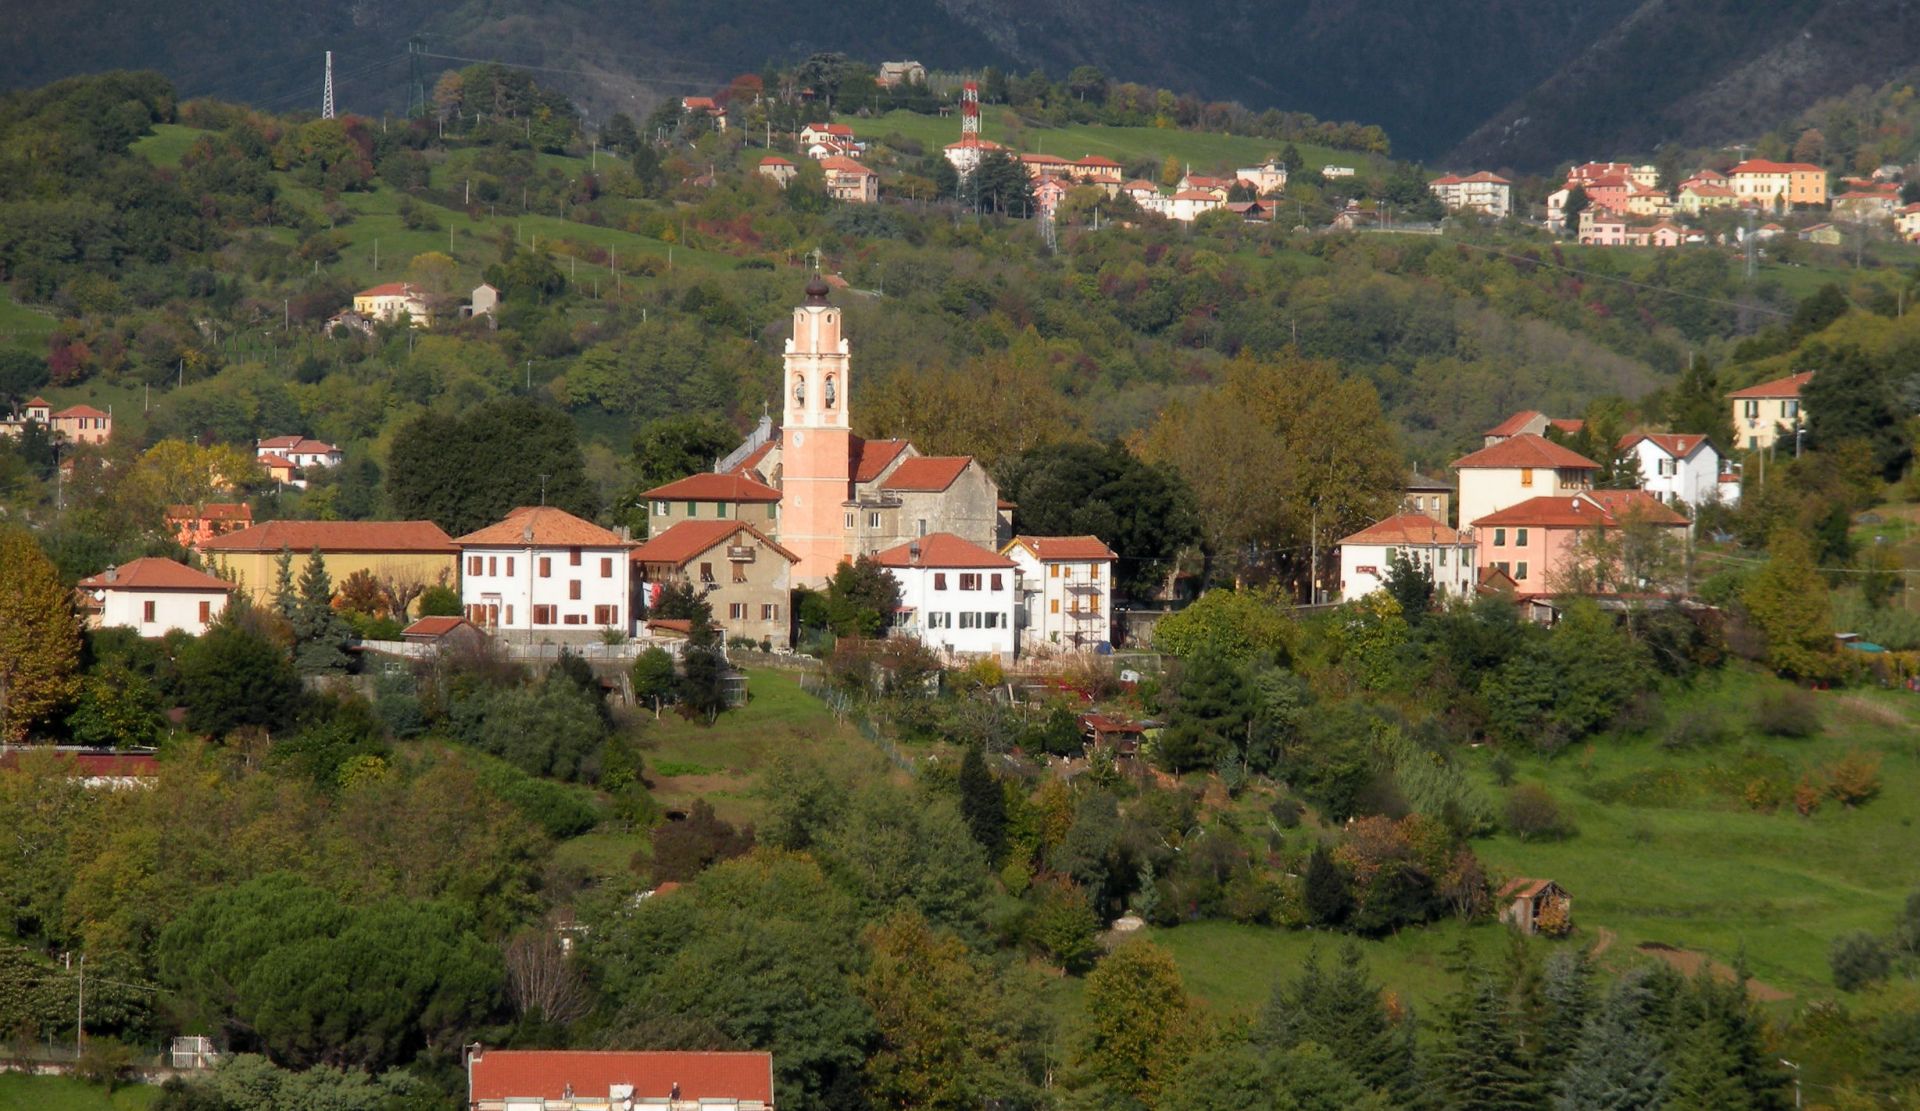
1796 1081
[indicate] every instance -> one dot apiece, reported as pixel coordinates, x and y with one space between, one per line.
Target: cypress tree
285 600
983 804
1617 1065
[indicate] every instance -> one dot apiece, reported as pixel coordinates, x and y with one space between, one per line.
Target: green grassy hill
59 1093
1122 144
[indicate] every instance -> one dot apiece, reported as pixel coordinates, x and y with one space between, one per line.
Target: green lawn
59 1093
168 143
1122 144
23 327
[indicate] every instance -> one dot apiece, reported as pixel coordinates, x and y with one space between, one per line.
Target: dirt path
1603 940
1689 963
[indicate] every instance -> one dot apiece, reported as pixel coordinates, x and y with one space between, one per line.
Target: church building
842 496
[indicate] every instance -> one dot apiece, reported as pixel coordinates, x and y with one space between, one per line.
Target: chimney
113 574
913 551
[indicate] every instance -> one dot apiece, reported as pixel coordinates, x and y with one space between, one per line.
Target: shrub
1764 794
1859 959
1854 778
1502 769
1553 919
1807 795
1534 814
105 1062
1062 926
1787 713
1696 729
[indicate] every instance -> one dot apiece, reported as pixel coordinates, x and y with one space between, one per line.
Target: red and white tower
970 114
816 440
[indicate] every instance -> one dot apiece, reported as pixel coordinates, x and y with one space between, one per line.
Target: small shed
1119 735
1535 906
444 633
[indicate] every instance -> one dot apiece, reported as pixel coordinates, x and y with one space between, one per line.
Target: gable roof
1516 424
212 511
1096 160
927 472
1790 386
941 550
868 458
1646 506
302 444
1049 549
499 1074
335 536
714 487
79 411
153 573
1417 481
436 626
842 165
1677 444
774 160
1408 528
1526 450
1597 508
688 539
390 289
543 526
1766 166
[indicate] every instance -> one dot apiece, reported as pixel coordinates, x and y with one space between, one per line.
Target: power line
678 82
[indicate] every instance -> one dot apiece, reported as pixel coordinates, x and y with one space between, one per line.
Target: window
146 609
1053 570
849 521
1053 605
473 565
606 567
606 615
1789 409
509 615
921 527
573 589
999 582
736 611
1520 537
1094 570
573 557
661 509
1502 566
873 520
693 510
1526 476
1753 443
969 619
543 615
1499 538
770 612
206 612
509 566
1520 571
1667 467
493 565
1443 557
1750 409
546 567
739 571
574 619
970 580
706 572
939 580
939 621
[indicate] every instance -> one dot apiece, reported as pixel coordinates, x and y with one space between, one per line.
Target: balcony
1084 586
741 553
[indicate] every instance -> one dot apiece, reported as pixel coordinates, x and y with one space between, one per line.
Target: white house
1516 469
1189 205
1484 192
1446 553
299 450
153 597
1269 178
955 596
1679 467
543 570
1066 592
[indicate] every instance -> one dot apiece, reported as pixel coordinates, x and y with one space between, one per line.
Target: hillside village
816 607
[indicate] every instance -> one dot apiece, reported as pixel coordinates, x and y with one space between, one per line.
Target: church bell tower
816 440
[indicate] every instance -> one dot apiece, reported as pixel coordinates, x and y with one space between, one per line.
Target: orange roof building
1517 468
154 597
529 1079
956 597
544 572
1765 413
417 553
1066 591
1535 542
745 576
1446 555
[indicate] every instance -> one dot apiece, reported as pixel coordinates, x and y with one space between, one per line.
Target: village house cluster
75 424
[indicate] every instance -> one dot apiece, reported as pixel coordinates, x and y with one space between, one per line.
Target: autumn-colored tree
176 472
1788 600
994 407
39 638
1141 1026
433 271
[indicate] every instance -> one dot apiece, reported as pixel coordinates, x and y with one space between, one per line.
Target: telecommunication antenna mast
326 98
970 115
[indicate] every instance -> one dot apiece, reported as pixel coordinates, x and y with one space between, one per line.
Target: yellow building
1758 181
387 302
1769 412
406 554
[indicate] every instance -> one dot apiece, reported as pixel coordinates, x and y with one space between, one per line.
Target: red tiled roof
1515 424
1706 189
1601 508
1676 444
272 461
335 536
941 550
1526 450
839 129
1139 185
301 444
433 626
38 402
1043 159
870 457
389 289
153 573
1194 195
841 165
1523 888
1790 386
1648 506
688 539
1096 160
79 411
1050 548
500 1074
714 487
1408 528
1571 425
681 625
927 472
1764 166
696 102
774 160
212 511
544 526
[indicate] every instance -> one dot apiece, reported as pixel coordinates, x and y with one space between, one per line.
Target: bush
1854 778
104 1061
1696 729
1534 814
1858 960
1787 713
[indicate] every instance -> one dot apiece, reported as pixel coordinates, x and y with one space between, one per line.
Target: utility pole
326 97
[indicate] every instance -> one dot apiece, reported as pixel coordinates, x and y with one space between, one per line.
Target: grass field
168 143
59 1093
23 327
1122 144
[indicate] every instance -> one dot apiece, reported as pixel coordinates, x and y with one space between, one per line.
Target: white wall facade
1065 605
1485 490
968 611
1694 480
546 589
1363 567
155 613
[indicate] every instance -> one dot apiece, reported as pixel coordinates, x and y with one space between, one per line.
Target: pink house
1533 542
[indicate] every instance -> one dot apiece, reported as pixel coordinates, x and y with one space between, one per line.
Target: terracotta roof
756 457
1096 160
500 1074
1677 444
1515 424
842 165
870 457
1526 450
774 160
335 536
389 289
38 402
681 625
1706 189
1764 166
1408 528
1598 508
301 444
1051 548
543 526
696 102
1789 386
79 411
1194 195
941 550
433 626
1138 185
155 574
714 487
1570 425
1639 502
1523 888
840 129
212 511
1042 158
272 460
688 539
102 765
927 472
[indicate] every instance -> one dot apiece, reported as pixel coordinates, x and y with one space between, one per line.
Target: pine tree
285 600
1706 1074
1617 1065
320 635
1342 1010
1480 1066
1329 891
1566 1008
983 804
39 638
1788 600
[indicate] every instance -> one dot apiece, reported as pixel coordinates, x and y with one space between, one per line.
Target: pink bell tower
815 440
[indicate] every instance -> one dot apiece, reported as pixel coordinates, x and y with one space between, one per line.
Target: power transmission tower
326 98
416 76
